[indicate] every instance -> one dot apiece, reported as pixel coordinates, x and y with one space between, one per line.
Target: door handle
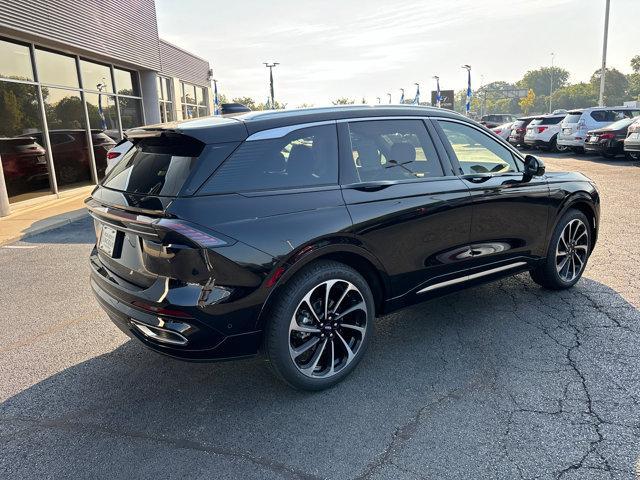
369 186
478 177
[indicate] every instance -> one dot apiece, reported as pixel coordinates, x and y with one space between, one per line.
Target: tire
632 155
573 236
609 155
578 150
296 326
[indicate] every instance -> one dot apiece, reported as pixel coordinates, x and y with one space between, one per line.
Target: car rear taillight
160 310
541 129
607 136
197 236
112 155
497 130
519 130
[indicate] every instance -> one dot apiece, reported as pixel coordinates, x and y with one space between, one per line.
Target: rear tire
567 253
632 155
312 343
609 155
578 150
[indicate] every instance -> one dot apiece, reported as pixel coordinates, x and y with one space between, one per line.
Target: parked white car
115 154
577 123
543 131
503 131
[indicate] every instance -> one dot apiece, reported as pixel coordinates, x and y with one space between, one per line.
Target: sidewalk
29 220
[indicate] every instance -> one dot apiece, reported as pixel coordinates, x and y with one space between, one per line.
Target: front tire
567 254
320 326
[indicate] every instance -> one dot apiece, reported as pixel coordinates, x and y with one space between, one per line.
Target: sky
355 48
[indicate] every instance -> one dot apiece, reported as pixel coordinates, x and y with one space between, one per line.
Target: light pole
551 82
401 96
389 95
468 103
270 67
378 98
603 70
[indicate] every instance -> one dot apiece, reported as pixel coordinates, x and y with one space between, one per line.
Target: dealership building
75 74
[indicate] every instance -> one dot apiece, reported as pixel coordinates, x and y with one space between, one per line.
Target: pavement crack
279 468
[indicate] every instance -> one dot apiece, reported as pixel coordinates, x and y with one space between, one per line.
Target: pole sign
446 98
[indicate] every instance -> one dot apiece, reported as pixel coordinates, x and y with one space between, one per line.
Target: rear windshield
155 166
620 124
573 117
550 120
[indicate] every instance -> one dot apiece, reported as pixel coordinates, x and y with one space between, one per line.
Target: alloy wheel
328 328
572 250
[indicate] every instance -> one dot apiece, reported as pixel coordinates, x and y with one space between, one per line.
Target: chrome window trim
280 132
473 276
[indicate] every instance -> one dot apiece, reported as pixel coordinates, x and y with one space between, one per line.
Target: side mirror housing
533 166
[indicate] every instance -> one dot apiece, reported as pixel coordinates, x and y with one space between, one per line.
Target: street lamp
468 103
389 95
270 67
551 82
603 71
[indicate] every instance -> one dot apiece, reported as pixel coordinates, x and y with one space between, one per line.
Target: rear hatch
137 238
570 123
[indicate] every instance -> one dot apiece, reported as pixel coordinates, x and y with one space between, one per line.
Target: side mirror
533 167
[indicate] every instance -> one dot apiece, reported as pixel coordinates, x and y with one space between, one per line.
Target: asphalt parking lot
502 381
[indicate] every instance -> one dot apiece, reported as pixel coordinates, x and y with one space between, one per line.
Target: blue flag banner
216 99
416 100
468 104
438 96
401 96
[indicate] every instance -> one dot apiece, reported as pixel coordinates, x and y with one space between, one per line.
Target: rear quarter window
306 157
573 118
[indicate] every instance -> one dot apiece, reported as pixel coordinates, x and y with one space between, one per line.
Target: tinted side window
392 150
604 116
305 157
477 152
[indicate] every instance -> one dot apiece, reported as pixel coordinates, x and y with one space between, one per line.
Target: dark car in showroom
286 233
609 141
24 165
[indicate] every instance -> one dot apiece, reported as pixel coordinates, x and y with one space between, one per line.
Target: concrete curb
47 224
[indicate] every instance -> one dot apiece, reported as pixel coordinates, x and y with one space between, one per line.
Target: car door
408 207
510 211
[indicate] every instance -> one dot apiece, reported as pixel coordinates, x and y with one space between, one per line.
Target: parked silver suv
574 128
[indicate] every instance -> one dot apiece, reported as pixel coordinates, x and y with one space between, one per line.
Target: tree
343 101
578 95
527 103
247 102
615 86
539 80
19 108
305 105
635 64
633 91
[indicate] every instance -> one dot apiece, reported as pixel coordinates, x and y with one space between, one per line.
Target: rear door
510 214
407 206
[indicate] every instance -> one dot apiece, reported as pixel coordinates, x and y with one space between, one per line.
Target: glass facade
165 99
194 101
73 106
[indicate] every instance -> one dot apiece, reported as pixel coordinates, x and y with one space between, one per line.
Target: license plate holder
107 243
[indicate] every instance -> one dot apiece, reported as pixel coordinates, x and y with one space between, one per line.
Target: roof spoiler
137 133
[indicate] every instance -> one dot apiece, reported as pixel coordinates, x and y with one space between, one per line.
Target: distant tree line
490 98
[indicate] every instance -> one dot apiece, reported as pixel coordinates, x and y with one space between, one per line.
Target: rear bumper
516 140
534 142
570 140
187 333
632 146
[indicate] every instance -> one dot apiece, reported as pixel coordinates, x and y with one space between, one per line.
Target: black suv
289 232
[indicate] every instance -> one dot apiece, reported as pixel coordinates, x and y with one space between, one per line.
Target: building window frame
81 91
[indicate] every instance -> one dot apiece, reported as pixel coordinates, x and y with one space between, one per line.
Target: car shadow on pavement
498 381
79 231
619 161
